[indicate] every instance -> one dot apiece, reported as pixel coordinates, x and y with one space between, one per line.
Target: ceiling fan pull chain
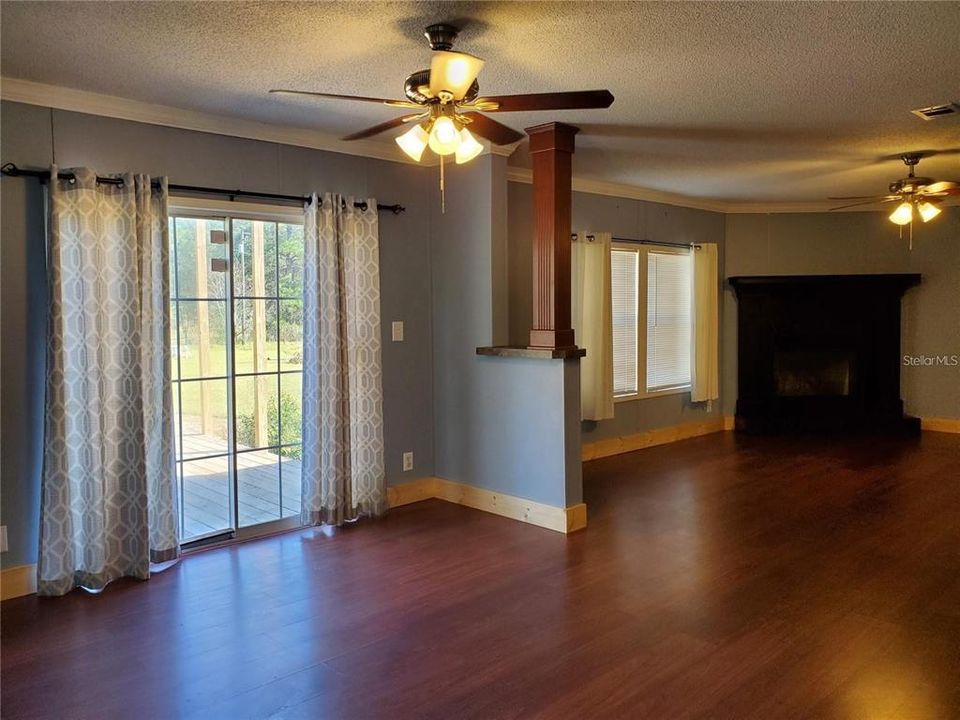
443 193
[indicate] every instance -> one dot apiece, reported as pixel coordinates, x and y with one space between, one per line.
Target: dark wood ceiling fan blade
495 132
382 127
873 201
358 98
855 197
575 100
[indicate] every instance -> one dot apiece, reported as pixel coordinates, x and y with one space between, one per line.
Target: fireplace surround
820 353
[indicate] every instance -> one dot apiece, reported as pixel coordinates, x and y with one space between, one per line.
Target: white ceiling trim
633 192
63 98
630 192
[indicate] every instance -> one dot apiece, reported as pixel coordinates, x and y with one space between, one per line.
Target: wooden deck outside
206 484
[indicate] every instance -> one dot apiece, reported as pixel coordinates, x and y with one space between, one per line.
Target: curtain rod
12 170
647 242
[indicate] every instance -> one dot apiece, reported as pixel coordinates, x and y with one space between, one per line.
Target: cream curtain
343 472
109 493
705 368
591 307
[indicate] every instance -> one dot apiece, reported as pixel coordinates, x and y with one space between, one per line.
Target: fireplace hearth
820 353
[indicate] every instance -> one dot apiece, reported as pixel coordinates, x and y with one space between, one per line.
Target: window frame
216 208
643 267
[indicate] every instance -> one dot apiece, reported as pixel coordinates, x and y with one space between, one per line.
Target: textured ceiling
758 102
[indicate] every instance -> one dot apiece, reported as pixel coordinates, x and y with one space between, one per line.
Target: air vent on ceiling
937 111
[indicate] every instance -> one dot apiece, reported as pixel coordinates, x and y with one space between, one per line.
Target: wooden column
551 148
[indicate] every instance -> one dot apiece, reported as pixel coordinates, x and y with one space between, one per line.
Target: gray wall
109 145
624 218
501 423
861 242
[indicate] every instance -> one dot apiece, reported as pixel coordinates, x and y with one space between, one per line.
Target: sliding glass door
237 316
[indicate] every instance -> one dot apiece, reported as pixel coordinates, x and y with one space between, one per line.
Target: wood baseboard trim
576 517
424 488
945 425
565 520
546 516
650 438
18 581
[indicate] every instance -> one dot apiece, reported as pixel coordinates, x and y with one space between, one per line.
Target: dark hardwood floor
720 577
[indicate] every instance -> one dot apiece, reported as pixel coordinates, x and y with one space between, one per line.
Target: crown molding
501 150
82 101
820 206
620 190
740 208
634 192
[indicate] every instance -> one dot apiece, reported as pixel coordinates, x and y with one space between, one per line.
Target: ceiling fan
448 105
916 195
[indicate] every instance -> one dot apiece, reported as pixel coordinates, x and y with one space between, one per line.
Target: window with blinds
669 277
624 289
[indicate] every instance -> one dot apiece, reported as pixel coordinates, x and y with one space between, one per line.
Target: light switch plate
3 538
396 330
407 461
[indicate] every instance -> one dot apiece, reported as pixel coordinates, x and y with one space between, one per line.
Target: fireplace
811 372
820 353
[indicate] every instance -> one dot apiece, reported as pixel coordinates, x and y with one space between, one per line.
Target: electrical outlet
407 461
3 538
396 330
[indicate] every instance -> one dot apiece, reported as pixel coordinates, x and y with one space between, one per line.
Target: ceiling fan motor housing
441 36
910 184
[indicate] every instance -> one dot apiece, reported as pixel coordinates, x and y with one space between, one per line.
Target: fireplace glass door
812 373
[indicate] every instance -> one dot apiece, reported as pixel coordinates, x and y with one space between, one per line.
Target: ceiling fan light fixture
444 136
454 72
903 215
413 142
469 148
928 211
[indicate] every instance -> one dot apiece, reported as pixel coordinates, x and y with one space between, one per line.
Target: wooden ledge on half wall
537 353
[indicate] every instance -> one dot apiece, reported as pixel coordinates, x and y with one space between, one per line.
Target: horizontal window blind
624 279
669 278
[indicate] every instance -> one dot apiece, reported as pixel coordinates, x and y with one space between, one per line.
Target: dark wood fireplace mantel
820 352
892 281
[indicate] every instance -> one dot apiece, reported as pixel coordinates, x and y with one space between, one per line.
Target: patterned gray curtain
343 474
109 503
